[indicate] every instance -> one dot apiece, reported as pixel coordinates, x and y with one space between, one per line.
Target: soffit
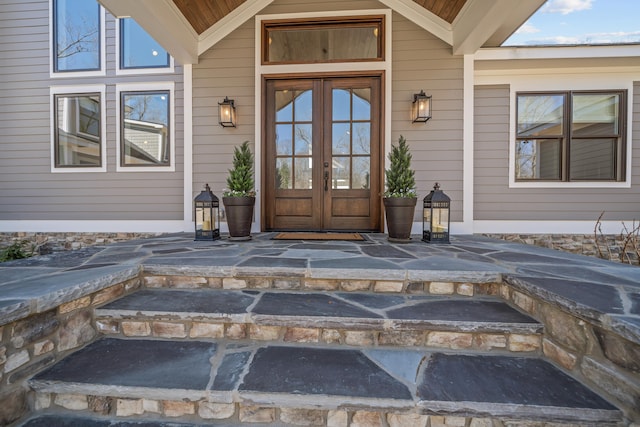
188 28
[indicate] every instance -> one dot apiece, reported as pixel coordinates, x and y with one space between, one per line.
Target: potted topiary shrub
400 196
240 196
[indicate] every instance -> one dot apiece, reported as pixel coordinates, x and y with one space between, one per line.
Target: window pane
76 29
593 159
538 159
138 49
341 138
303 106
361 173
341 104
303 173
540 115
145 129
283 173
324 42
362 104
595 114
361 138
341 173
78 137
284 142
303 139
284 106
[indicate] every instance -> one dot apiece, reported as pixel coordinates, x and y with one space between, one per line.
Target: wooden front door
322 154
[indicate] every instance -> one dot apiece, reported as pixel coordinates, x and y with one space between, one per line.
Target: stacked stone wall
601 358
29 345
45 243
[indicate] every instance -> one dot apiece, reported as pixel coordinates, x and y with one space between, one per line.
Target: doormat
317 236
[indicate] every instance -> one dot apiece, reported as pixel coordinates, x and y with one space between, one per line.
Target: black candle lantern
436 218
227 113
207 215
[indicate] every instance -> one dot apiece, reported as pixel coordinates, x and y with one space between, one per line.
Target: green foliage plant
240 181
17 250
400 177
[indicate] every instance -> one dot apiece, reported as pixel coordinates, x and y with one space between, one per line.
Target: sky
578 22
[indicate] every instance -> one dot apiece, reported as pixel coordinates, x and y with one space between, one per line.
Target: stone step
481 323
257 382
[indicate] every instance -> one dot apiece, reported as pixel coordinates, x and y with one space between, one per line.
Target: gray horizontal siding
494 200
28 189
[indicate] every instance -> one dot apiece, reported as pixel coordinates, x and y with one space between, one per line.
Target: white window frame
141 87
103 47
138 71
75 90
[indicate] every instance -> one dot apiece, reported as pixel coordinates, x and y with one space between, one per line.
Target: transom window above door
344 39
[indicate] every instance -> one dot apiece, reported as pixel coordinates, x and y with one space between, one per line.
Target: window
570 136
138 49
323 40
146 127
76 35
78 129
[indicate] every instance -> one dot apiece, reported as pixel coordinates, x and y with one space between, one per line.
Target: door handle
326 180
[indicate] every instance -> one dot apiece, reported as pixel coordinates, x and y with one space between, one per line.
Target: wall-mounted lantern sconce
227 113
421 108
435 216
207 215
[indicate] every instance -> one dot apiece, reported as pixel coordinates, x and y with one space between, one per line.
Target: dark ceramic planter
239 211
399 212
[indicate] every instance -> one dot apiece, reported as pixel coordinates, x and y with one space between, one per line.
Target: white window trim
73 74
138 71
292 69
552 80
141 87
62 90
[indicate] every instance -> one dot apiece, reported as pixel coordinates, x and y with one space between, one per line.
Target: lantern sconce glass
227 113
421 107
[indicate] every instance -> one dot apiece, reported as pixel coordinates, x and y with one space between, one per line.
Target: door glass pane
145 129
78 130
284 173
341 173
362 104
361 138
341 138
303 173
540 115
361 172
341 104
595 114
284 144
593 159
303 139
538 159
284 106
303 106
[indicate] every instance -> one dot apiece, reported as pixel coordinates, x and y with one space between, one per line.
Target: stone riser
525 342
248 413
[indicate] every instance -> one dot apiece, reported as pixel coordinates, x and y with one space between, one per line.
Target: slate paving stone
463 310
385 252
403 364
258 261
137 363
184 301
230 371
447 263
289 304
57 259
375 301
304 370
355 263
502 379
531 258
590 295
22 273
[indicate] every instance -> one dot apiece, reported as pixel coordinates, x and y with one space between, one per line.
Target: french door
322 154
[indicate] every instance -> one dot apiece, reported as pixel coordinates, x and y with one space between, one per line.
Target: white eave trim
423 18
557 52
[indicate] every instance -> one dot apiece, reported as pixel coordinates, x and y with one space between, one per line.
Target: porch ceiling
187 28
